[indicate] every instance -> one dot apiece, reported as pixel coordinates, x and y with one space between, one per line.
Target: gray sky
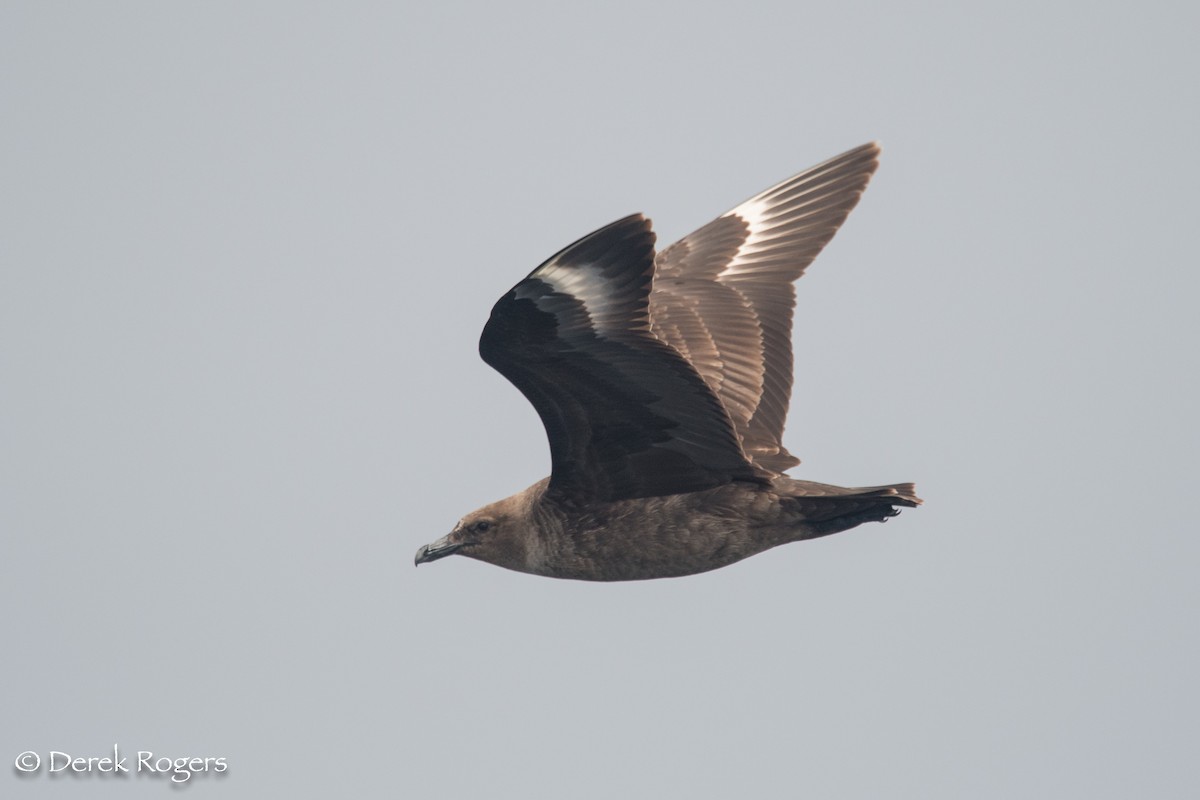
247 252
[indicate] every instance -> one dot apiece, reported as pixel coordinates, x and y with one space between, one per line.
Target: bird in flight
663 381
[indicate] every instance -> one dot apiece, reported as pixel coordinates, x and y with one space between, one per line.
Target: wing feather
625 414
736 275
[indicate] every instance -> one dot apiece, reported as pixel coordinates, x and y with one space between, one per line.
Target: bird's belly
658 547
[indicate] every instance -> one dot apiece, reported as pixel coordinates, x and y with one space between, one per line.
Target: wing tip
633 232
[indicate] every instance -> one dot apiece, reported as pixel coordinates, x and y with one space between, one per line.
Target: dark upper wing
626 416
723 295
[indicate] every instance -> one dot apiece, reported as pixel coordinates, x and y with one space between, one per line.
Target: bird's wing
625 414
723 295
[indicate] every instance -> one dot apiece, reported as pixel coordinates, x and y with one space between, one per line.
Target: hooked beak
440 549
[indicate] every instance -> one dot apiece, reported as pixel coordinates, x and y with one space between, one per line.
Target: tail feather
901 494
827 509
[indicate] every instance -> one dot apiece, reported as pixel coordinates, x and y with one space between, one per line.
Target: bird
663 380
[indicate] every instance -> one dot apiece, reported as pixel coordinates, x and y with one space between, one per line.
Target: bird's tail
826 509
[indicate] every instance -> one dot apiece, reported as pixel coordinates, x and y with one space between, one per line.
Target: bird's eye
482 526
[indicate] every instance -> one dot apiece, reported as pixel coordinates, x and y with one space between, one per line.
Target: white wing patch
754 213
603 307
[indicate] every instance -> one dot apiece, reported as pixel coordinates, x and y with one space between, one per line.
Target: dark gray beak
440 549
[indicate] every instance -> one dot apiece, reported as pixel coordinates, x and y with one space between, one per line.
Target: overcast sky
247 252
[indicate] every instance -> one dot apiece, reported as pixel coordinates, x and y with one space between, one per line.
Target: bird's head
495 534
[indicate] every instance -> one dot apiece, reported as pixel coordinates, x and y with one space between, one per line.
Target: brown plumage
663 382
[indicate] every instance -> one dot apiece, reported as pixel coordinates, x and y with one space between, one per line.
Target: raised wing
625 414
723 295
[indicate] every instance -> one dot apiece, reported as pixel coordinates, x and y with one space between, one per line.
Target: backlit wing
723 295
